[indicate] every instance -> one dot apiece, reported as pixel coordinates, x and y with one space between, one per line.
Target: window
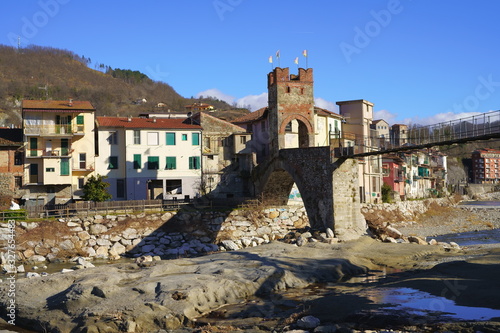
243 139
81 183
50 169
33 147
153 139
113 162
83 161
120 188
18 182
79 123
113 138
288 127
18 158
196 139
194 162
137 137
153 162
170 139
174 186
65 167
137 161
171 163
184 137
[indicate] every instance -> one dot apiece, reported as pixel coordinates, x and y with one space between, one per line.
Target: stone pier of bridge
329 188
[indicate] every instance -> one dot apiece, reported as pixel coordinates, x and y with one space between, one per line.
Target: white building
149 158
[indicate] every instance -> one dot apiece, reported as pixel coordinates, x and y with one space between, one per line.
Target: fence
90 208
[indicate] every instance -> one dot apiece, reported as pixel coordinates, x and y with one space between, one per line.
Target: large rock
96 229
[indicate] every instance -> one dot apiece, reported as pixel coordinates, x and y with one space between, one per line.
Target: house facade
149 158
227 157
486 166
59 154
358 115
11 162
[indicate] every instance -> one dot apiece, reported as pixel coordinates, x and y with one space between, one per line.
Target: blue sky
418 61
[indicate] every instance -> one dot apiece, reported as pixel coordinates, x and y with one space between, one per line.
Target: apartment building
486 166
59 153
149 158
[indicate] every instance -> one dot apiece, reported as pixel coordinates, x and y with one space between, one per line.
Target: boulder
308 322
96 229
229 245
417 240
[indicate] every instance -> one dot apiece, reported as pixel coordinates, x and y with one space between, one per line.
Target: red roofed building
60 143
149 158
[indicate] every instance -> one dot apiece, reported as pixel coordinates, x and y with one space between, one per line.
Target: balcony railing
61 130
61 152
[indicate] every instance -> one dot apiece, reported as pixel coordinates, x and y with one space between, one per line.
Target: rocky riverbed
272 287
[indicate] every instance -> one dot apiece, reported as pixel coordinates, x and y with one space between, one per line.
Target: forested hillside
47 73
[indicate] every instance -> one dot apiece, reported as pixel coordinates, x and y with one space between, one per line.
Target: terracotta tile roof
38 105
126 122
200 115
325 112
11 136
252 116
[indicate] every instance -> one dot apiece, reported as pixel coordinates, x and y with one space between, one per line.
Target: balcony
83 167
54 130
44 153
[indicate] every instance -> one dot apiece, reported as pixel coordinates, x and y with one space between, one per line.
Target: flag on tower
270 59
296 61
278 54
304 53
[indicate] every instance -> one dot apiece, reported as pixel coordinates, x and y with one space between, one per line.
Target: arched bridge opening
329 189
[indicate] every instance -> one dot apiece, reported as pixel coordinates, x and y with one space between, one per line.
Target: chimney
70 102
129 119
154 119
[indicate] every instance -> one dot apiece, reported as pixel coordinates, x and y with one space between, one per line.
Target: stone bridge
328 186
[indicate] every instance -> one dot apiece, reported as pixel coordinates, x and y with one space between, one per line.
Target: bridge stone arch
316 176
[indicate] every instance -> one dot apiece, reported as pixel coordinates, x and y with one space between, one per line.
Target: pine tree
95 189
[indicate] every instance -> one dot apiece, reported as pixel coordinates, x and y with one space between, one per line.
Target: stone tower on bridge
291 104
328 186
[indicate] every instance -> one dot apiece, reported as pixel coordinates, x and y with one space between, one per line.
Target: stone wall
402 210
167 235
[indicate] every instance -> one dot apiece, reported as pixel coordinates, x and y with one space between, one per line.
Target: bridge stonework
329 189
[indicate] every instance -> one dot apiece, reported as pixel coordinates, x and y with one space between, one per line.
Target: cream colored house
149 158
59 139
359 118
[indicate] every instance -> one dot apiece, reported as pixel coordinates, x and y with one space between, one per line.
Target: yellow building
59 146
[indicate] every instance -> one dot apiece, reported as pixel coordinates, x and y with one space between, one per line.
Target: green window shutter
137 161
196 139
153 162
194 162
170 139
64 147
33 147
171 163
113 162
79 120
65 167
184 137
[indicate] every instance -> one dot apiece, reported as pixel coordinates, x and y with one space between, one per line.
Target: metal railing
480 127
65 129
